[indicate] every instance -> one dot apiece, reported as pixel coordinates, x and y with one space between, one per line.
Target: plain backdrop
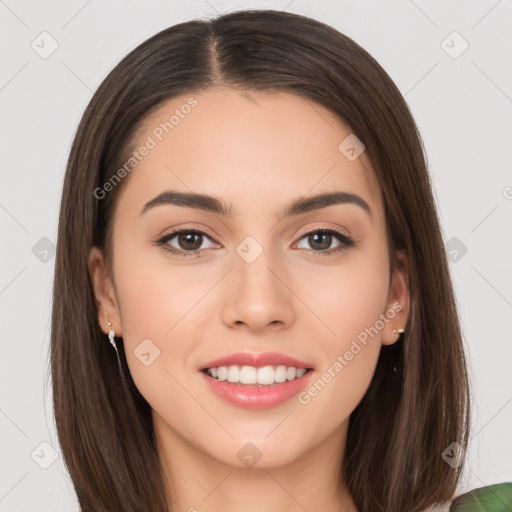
451 61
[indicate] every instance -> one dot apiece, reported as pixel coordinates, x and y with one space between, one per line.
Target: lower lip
254 396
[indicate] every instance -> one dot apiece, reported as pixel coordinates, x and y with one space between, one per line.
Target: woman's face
257 279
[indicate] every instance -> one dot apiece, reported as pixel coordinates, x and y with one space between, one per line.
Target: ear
398 304
104 291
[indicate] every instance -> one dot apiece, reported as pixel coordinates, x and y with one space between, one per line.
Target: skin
257 151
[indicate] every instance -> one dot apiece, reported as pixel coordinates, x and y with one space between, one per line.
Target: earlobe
103 292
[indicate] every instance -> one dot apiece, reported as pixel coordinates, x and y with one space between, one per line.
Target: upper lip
257 360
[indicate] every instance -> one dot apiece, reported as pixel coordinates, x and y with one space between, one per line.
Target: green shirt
491 498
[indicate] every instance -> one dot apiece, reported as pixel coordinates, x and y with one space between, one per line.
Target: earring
112 336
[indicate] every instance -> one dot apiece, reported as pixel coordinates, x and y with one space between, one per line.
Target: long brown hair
393 458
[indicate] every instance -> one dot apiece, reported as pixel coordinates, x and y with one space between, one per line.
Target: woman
252 301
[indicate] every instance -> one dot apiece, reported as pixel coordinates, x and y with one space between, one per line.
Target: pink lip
257 360
256 396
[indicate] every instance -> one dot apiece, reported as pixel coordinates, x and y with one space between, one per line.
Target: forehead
249 147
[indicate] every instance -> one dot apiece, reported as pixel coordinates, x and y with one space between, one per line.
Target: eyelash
345 241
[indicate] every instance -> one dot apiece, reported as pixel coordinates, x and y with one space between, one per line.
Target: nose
259 294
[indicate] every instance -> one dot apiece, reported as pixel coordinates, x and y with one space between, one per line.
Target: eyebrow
216 205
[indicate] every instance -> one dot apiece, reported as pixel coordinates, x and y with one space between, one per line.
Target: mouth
256 381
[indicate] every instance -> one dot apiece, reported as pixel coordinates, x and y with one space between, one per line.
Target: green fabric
492 498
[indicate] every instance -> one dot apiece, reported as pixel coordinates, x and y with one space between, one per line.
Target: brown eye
186 242
321 241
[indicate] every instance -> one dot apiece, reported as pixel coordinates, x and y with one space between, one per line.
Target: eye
189 241
322 238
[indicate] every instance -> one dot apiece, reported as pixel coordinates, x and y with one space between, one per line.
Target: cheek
154 294
350 300
347 298
157 302
349 360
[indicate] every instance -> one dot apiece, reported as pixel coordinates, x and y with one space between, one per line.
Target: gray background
462 104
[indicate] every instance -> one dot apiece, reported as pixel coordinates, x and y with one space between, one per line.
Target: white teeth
222 372
291 373
280 375
233 374
265 375
248 375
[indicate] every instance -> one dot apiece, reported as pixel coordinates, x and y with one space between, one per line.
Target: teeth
233 374
248 375
251 375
